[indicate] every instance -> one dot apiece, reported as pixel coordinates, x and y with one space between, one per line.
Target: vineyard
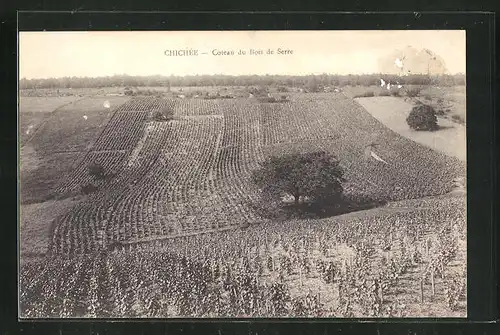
338 267
178 192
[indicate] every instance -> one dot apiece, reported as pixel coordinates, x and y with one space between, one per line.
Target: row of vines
328 268
192 173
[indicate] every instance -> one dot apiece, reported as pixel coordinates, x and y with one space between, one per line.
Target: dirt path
392 112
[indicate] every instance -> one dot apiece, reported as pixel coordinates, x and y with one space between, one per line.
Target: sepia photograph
242 174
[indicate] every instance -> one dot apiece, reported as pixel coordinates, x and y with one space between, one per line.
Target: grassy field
67 93
75 126
33 111
36 223
54 140
192 175
60 142
392 112
42 174
449 102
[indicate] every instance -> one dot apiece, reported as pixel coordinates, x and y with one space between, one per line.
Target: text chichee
220 52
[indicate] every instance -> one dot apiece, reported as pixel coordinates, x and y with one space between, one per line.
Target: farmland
165 234
392 112
348 266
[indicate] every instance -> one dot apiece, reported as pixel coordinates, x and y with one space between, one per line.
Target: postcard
242 174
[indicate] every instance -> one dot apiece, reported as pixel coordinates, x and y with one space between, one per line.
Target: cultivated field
175 231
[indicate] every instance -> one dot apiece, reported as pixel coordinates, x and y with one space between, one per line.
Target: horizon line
248 75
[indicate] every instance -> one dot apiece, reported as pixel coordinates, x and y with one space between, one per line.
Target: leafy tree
422 117
314 176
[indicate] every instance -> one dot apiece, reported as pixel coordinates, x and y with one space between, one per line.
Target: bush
260 91
266 99
128 91
164 115
440 112
422 117
457 118
395 93
385 93
366 94
312 85
88 188
413 92
96 170
282 89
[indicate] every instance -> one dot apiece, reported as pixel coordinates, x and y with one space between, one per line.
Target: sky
94 54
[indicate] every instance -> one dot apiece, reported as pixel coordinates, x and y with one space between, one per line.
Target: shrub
266 99
96 170
439 112
385 93
413 92
395 93
457 118
422 117
163 115
282 89
366 94
88 188
260 91
128 91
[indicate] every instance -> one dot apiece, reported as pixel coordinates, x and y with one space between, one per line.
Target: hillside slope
193 173
319 268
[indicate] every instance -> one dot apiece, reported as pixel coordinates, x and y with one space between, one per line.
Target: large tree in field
314 176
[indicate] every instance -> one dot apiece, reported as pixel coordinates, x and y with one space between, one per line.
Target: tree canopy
313 177
422 117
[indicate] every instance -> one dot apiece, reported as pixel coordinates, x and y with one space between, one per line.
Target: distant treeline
224 80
